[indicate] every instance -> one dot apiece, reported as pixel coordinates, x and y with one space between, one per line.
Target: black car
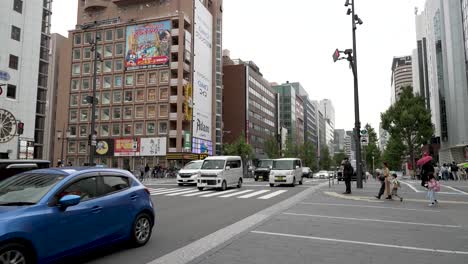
262 172
340 176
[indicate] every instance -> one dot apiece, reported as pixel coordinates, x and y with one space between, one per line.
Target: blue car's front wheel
141 231
14 253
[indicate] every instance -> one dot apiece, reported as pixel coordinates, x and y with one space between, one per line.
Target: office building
310 122
402 76
339 140
250 105
159 83
23 76
328 111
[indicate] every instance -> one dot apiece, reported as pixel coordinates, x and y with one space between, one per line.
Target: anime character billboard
148 45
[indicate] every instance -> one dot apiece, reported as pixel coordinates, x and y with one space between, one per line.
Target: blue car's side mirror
69 200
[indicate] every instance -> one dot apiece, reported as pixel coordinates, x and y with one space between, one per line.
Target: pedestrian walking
433 186
454 169
385 183
142 172
395 187
347 174
445 172
147 171
426 168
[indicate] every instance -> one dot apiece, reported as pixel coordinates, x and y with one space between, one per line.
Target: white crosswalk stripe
268 196
183 192
235 193
254 194
218 193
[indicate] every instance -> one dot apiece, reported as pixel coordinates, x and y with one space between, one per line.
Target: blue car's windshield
27 188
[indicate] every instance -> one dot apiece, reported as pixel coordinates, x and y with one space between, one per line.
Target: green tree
308 155
325 160
372 150
240 148
271 148
292 150
393 153
409 121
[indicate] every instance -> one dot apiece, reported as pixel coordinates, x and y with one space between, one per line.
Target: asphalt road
184 219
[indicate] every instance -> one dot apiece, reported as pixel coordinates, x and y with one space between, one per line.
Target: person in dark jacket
347 174
426 169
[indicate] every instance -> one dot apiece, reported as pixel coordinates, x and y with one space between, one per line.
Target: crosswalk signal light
336 55
20 128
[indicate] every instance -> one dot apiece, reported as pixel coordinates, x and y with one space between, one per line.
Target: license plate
184 180
279 177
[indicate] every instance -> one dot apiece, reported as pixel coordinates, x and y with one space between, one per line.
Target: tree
325 160
393 153
271 148
372 151
291 150
409 121
308 155
240 148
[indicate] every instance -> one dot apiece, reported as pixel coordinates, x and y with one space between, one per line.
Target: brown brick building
159 84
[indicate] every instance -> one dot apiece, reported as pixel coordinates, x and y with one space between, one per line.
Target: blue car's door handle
133 197
96 209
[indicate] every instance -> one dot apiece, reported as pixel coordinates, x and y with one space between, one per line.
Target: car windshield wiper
16 203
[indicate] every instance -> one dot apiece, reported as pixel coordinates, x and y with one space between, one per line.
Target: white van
221 172
286 171
189 173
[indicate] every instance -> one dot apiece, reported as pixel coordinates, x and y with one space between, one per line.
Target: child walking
396 185
433 186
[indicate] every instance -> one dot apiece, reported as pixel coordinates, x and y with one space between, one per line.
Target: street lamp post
92 139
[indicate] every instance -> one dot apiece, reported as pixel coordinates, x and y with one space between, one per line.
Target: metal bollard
329 184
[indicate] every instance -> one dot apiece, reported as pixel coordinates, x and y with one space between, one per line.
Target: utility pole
92 138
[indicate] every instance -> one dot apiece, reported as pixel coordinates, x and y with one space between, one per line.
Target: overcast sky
294 40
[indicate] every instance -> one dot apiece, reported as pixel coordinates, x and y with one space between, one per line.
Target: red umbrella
425 159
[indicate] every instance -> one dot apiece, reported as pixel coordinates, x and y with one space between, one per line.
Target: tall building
253 111
383 137
339 142
443 26
328 111
159 82
23 76
349 145
402 76
291 111
310 122
54 135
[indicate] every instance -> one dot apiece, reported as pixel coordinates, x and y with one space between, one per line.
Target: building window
84 115
150 128
109 35
107 82
77 39
15 33
76 69
115 129
82 147
138 128
74 100
117 97
105 115
164 77
107 66
105 98
104 130
71 146
127 129
84 102
118 65
108 51
163 111
151 111
140 78
116 112
86 68
85 85
84 131
163 94
72 131
139 112
117 81
152 78
128 112
119 49
86 53
77 54
88 36
151 94
18 6
140 95
75 84
128 97
11 91
119 33
73 115
13 63
162 128
129 80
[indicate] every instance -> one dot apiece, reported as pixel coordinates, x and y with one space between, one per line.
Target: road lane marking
183 192
219 193
157 189
373 199
236 193
373 220
412 187
363 243
372 206
254 194
167 191
199 193
460 191
268 196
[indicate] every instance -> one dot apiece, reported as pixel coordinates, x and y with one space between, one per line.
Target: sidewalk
328 227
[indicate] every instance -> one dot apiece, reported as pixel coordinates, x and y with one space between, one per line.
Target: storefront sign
124 147
153 146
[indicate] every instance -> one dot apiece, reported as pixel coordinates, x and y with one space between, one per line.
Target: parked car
286 171
262 172
189 173
306 172
9 167
49 214
221 172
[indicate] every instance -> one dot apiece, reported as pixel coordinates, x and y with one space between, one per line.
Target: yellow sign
102 148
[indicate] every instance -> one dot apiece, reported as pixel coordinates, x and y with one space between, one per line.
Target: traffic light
20 128
336 55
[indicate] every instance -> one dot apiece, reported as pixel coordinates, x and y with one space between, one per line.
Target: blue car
49 214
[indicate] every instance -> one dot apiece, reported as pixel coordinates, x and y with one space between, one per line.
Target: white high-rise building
25 28
328 111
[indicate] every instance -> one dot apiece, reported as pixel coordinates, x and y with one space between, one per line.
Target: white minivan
286 171
221 172
189 173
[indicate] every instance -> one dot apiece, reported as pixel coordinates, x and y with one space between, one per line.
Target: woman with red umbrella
426 167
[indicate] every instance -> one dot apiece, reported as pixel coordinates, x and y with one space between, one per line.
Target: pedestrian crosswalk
234 193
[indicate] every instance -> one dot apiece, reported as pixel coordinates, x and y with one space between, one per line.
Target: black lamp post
92 99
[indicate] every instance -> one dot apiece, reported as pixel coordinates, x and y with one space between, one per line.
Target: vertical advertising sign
147 45
203 73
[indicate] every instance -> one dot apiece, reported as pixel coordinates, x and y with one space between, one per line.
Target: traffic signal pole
92 143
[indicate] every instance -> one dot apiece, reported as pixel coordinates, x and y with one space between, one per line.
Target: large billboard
202 79
126 147
153 146
148 45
